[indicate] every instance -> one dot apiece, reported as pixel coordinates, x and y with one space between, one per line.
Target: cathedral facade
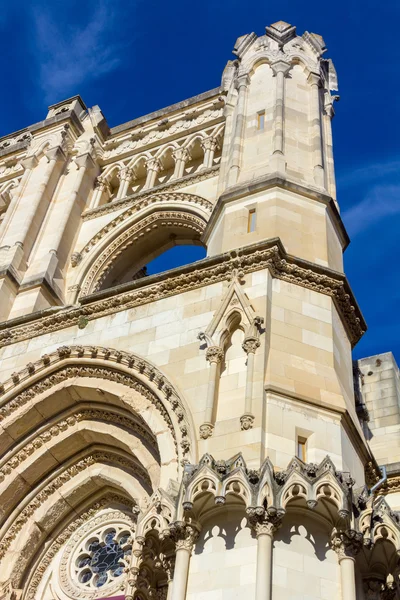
200 433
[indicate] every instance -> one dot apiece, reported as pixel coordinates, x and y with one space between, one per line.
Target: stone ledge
264 255
274 180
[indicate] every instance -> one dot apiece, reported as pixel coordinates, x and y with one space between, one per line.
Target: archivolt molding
14 525
100 268
65 536
266 255
66 421
128 369
148 200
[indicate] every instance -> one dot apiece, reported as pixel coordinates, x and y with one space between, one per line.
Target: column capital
281 66
181 154
242 81
346 543
250 345
314 78
209 143
154 164
126 174
101 184
55 154
84 161
185 535
264 522
30 162
214 354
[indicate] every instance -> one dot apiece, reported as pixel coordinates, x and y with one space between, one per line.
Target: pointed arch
124 246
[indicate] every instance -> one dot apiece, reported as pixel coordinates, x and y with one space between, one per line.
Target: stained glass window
103 557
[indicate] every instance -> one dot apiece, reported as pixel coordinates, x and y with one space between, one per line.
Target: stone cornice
135 199
167 110
265 255
273 180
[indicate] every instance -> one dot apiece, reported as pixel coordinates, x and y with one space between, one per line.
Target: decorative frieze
267 255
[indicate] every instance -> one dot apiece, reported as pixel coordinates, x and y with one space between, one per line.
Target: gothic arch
151 225
78 421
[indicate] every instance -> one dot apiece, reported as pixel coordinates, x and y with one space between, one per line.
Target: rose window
102 558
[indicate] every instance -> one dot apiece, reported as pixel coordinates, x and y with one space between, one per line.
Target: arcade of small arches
172 161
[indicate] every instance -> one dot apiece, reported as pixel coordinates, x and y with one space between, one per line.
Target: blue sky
132 57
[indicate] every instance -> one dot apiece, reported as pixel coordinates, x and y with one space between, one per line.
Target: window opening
261 120
301 448
251 221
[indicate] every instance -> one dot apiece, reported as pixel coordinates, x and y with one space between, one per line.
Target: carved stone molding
267 255
102 266
246 421
149 199
66 535
214 354
206 430
55 429
346 543
68 474
185 535
12 402
144 196
203 115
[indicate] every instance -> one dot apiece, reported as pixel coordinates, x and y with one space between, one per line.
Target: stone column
125 176
169 568
185 538
101 186
280 70
329 113
250 346
240 119
28 163
180 156
153 167
134 569
347 544
53 155
209 146
84 163
214 355
314 80
264 526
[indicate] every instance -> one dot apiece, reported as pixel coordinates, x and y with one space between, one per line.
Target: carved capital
314 78
264 521
29 162
250 345
209 143
154 164
185 535
126 174
246 421
56 154
242 81
206 430
181 154
346 543
214 354
101 184
281 66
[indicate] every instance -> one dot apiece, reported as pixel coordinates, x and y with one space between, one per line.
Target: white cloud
369 173
381 202
69 55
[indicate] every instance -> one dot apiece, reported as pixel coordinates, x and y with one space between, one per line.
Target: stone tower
193 433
